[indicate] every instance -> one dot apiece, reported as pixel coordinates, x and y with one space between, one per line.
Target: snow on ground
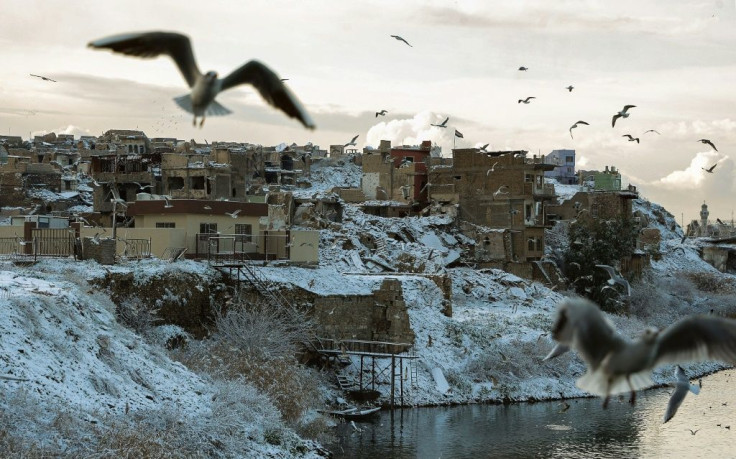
63 351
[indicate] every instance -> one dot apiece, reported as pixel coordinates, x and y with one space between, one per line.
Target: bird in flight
381 113
616 278
708 142
631 138
143 187
652 130
442 124
622 114
570 88
710 169
576 125
523 69
352 142
527 100
500 191
234 213
43 78
483 148
400 39
682 387
616 364
205 87
693 432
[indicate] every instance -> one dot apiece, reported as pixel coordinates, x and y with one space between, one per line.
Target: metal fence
136 248
53 242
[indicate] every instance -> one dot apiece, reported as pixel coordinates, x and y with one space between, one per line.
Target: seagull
499 192
143 187
719 221
631 138
204 88
168 204
693 432
400 39
527 100
682 386
43 78
622 114
382 113
576 125
233 214
652 130
483 148
492 169
708 142
570 88
523 69
442 124
616 278
616 364
352 142
710 169
22 241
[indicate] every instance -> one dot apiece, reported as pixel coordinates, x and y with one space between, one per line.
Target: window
244 232
197 183
569 159
210 228
528 178
165 225
176 183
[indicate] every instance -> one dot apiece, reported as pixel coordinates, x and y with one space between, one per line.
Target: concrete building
606 180
564 171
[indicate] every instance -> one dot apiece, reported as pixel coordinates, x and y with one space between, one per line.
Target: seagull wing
271 88
627 107
582 326
710 169
697 339
613 121
711 144
445 122
583 122
152 44
354 139
681 388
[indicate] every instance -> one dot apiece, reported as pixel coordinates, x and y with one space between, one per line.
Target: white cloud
69 129
412 131
694 175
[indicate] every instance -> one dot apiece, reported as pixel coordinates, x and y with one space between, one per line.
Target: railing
137 248
239 248
53 242
10 247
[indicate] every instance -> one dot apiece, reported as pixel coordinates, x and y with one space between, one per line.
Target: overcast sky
674 60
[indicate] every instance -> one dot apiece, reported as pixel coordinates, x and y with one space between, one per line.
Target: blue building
564 173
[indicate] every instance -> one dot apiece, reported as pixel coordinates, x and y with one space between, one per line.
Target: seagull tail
595 382
215 109
185 102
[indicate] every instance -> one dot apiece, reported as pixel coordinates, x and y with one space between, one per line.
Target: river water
584 430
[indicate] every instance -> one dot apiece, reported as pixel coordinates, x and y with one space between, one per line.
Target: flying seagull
43 78
483 148
382 113
523 69
576 125
652 130
710 169
442 124
631 138
143 187
400 39
168 204
234 213
682 387
352 142
622 114
708 142
499 190
204 88
616 364
616 278
570 88
527 100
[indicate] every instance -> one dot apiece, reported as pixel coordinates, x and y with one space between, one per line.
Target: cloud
694 176
69 129
415 130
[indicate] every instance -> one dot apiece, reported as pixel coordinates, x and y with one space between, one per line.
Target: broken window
175 183
197 183
208 228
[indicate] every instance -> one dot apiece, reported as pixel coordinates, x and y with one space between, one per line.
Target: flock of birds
614 363
617 365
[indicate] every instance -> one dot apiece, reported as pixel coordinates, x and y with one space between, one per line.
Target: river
546 429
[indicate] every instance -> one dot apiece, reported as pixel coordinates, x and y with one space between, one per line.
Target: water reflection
584 430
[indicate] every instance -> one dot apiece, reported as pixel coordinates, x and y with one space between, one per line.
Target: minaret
704 219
